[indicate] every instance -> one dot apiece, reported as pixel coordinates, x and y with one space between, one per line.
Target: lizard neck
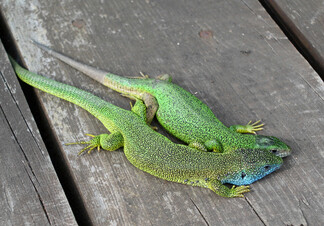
233 140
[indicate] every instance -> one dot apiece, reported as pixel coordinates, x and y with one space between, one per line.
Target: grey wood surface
30 191
306 20
230 54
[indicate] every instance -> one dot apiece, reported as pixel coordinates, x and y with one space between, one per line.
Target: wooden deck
230 54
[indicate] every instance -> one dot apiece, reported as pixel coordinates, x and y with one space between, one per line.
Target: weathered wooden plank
230 54
303 20
30 191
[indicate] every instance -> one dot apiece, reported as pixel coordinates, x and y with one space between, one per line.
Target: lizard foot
248 128
238 191
155 128
143 76
93 143
108 142
252 128
198 146
164 77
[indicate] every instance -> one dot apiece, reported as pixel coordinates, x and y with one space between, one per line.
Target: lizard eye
267 167
274 151
243 175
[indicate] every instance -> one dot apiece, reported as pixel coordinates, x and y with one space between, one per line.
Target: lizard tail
128 86
92 72
91 103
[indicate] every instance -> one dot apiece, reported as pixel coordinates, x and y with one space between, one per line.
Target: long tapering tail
85 100
128 86
92 72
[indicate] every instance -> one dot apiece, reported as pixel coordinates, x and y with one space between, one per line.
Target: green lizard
181 113
155 154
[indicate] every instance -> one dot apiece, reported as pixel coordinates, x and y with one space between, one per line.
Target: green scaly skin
154 153
181 113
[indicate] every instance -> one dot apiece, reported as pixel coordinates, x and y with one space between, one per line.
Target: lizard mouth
281 152
273 144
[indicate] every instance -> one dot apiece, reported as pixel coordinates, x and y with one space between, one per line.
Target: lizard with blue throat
155 154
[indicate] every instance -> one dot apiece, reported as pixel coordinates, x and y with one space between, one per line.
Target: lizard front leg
222 190
139 109
108 142
248 128
214 145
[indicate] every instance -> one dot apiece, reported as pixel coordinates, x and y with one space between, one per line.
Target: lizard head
252 166
272 144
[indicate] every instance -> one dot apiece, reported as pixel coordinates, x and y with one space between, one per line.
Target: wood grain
230 54
30 191
303 23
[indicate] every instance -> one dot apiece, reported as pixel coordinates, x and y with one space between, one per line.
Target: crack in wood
12 131
7 198
248 7
317 93
254 210
296 37
20 112
203 217
301 210
38 196
32 172
27 161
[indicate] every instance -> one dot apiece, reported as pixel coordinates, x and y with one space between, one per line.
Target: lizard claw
256 126
143 75
249 128
93 143
155 128
238 191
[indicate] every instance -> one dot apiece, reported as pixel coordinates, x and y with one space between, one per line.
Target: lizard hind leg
210 145
150 103
151 106
143 76
198 146
108 142
139 109
164 77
